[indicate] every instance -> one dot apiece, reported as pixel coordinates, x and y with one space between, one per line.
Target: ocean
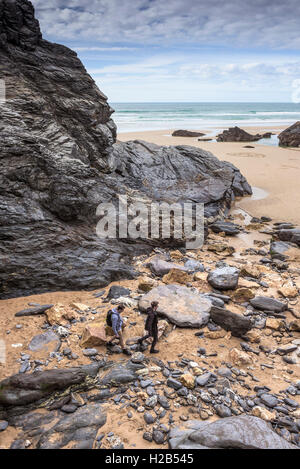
133 117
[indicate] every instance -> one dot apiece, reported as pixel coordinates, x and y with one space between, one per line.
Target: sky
182 50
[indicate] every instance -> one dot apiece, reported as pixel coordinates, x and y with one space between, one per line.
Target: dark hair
154 303
121 308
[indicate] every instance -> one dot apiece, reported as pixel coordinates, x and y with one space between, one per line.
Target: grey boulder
236 323
241 432
180 305
224 278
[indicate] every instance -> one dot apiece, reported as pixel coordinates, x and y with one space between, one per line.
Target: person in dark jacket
151 326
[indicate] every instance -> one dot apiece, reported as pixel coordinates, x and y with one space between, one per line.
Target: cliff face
59 160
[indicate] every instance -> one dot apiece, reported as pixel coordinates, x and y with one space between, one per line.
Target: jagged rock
288 290
186 133
236 323
60 159
187 380
241 295
146 284
179 305
241 432
59 314
268 304
276 324
250 270
290 137
24 389
230 229
224 278
46 341
263 413
177 276
235 134
240 358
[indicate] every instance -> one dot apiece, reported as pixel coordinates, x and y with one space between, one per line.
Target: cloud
236 23
103 49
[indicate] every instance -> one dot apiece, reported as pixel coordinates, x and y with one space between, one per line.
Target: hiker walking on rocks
115 325
151 326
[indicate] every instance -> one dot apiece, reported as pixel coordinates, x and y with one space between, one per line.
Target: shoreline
273 169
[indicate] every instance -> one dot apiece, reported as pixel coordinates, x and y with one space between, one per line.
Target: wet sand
274 170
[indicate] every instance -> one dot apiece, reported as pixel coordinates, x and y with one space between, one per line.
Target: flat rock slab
179 305
224 278
268 304
121 374
77 430
241 432
186 133
33 311
23 389
236 323
46 341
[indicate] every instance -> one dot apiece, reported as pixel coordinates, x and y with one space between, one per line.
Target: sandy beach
274 171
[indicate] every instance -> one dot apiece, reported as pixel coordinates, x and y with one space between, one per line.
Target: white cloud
255 23
103 49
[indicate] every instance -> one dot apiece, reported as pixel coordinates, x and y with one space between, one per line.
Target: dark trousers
147 336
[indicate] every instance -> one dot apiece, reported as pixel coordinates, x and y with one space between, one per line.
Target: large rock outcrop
290 137
59 160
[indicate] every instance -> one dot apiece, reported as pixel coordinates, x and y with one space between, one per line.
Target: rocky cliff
59 160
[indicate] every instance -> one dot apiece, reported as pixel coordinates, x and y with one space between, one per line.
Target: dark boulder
290 137
186 133
116 291
23 389
33 311
268 304
230 229
236 323
235 134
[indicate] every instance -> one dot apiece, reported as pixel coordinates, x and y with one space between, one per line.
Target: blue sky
182 50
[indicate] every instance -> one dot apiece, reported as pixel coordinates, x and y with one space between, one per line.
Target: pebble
158 437
147 436
149 418
3 425
90 352
69 408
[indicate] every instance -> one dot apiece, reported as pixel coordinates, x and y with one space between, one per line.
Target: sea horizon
147 116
